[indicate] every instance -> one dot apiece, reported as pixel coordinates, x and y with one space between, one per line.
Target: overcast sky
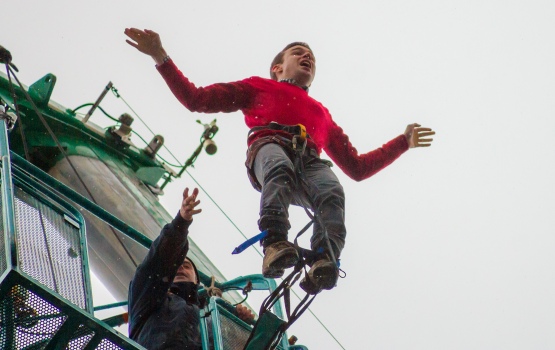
451 247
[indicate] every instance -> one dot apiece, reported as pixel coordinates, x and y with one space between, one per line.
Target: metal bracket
9 117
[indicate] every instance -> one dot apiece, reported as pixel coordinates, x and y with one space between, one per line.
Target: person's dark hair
279 57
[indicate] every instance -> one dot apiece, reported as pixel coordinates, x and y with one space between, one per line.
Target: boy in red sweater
272 108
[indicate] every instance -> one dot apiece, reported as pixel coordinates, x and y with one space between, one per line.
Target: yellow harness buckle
299 138
302 132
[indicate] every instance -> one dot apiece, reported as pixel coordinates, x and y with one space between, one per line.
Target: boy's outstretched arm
362 166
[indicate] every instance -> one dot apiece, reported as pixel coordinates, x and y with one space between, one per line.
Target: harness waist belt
298 129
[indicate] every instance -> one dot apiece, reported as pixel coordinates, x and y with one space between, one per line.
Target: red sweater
263 101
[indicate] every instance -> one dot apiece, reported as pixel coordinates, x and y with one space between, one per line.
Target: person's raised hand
244 313
418 136
146 41
189 204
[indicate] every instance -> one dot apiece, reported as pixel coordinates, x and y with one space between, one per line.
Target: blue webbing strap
250 242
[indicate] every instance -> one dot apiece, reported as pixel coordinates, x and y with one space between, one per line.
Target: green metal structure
45 295
54 226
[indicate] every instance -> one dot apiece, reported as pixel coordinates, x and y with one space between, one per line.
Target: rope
213 291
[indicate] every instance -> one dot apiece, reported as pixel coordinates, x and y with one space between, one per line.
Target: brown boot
278 257
322 275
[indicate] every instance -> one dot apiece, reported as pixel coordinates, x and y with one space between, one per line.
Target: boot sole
273 274
285 259
309 287
325 276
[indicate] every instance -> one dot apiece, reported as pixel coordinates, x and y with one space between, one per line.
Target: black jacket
159 319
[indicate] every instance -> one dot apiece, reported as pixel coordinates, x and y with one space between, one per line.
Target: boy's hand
146 41
416 136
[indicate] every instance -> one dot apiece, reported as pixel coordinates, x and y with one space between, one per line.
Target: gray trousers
274 170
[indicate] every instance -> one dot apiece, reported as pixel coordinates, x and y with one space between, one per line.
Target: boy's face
186 273
298 64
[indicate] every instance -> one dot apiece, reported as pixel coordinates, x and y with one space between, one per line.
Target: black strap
283 290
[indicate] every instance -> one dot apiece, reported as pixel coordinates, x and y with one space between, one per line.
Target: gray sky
450 247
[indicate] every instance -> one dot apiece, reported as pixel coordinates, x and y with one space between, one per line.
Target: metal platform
45 297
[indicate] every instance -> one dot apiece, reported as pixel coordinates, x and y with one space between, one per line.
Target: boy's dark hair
279 57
